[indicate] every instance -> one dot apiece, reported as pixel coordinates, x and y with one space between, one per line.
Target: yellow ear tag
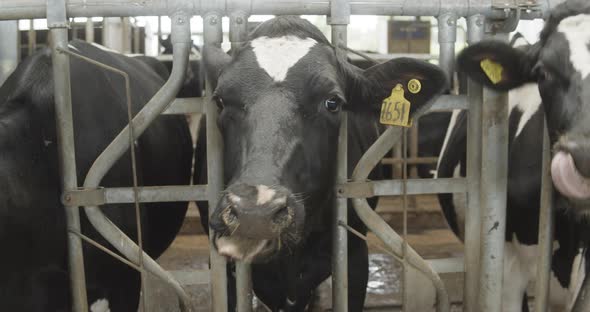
492 69
414 86
395 109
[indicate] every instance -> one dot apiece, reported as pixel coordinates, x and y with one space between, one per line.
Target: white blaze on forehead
265 194
100 305
234 198
576 31
277 55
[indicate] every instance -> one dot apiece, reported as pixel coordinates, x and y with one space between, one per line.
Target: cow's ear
419 80
215 60
497 65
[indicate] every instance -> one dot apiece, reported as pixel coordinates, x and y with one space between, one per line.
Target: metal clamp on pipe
161 100
378 226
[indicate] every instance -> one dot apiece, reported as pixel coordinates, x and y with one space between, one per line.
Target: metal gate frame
487 142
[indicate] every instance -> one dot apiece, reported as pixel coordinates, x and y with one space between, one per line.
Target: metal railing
487 142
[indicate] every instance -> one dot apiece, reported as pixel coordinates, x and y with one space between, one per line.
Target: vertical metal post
339 19
32 34
125 35
447 35
89 30
475 32
494 178
546 224
9 49
159 35
238 32
57 23
213 35
136 40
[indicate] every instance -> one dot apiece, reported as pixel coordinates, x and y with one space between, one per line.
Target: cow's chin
246 249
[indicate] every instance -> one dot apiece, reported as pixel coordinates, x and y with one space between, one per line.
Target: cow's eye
218 102
333 104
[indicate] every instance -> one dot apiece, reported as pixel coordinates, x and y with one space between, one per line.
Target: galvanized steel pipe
546 227
475 32
57 23
447 36
494 179
181 44
213 36
17 9
378 226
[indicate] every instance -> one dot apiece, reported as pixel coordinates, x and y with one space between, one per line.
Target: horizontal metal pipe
181 45
182 106
447 103
124 195
410 161
395 187
27 9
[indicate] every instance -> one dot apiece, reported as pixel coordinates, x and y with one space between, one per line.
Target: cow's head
280 98
560 64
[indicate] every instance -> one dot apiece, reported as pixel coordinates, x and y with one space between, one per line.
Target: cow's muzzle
253 222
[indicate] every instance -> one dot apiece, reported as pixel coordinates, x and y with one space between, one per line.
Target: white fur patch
96 45
234 198
277 55
575 30
576 278
520 266
265 194
452 124
100 305
527 99
228 248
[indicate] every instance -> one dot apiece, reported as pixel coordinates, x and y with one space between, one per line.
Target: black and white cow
33 266
545 79
280 98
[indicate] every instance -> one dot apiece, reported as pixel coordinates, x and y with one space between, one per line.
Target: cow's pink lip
567 179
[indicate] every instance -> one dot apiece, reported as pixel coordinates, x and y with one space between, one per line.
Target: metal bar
410 161
244 286
181 44
57 23
446 103
447 36
582 303
381 229
475 29
213 35
10 48
339 18
494 179
238 33
146 194
26 9
546 224
184 106
413 146
395 187
32 42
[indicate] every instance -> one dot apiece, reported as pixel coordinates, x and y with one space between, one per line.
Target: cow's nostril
229 216
283 216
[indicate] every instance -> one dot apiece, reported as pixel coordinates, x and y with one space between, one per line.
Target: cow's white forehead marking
576 31
100 305
277 55
265 194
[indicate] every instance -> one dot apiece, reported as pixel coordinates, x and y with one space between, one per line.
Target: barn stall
485 184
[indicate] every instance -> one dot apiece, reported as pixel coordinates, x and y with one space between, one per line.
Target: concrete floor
427 234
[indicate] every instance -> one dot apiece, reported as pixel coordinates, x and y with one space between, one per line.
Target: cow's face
560 65
280 98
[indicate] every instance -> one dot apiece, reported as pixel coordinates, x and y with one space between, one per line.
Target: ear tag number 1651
395 109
